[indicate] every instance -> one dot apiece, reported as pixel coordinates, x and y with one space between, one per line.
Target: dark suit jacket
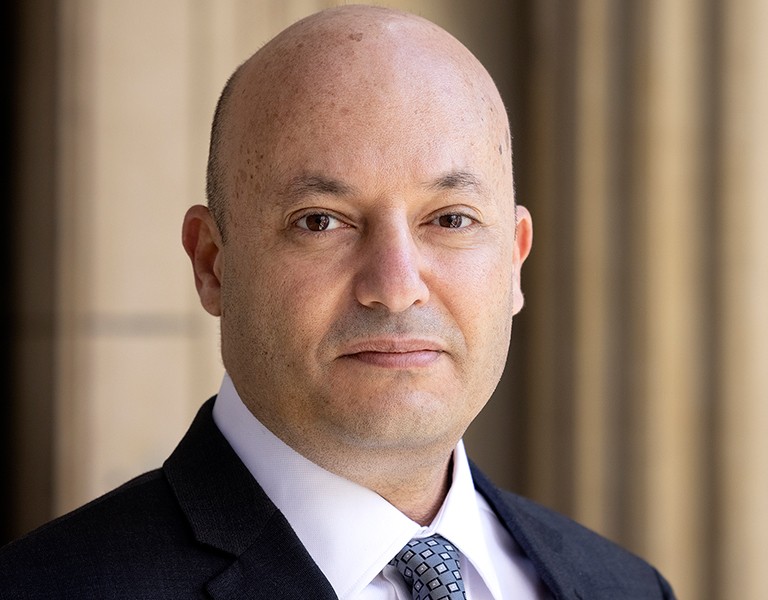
202 527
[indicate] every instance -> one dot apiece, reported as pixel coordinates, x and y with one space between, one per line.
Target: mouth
395 353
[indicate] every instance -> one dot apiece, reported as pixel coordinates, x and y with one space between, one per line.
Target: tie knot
431 567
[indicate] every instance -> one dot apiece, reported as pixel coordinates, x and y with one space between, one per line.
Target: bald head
361 65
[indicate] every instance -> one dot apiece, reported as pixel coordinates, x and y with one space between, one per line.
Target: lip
395 353
393 346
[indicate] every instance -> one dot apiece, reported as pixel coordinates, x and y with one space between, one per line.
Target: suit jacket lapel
276 565
229 512
541 544
572 561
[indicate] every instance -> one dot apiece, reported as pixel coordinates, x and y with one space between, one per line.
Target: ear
202 241
523 241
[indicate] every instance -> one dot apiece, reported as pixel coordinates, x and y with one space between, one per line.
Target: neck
419 499
414 482
417 488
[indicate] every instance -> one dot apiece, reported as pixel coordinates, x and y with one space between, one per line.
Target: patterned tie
431 566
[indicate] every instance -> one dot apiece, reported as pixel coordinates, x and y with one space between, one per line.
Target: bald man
362 249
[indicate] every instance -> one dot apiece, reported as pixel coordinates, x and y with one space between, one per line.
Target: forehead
360 104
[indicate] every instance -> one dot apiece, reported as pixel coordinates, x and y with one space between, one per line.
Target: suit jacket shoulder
200 527
573 561
113 547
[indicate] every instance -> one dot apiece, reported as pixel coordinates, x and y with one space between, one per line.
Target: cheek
477 290
295 300
476 286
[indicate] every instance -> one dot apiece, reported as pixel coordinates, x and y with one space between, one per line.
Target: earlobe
202 241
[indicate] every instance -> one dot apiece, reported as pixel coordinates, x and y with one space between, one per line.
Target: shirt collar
349 531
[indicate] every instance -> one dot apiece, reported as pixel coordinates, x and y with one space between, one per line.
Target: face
370 272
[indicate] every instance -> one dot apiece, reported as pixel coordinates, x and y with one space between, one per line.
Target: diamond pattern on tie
431 566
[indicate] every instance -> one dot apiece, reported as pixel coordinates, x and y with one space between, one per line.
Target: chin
397 419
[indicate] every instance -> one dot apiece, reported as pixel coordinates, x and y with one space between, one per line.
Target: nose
390 272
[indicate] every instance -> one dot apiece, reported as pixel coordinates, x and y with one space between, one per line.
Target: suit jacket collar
229 512
540 543
574 562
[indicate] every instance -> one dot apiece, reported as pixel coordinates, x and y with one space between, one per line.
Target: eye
453 221
319 222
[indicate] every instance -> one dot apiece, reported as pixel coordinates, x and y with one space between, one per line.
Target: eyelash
472 220
307 230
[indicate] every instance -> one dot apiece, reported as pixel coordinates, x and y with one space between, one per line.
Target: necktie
431 566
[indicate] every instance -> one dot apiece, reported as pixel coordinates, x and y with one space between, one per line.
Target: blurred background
636 394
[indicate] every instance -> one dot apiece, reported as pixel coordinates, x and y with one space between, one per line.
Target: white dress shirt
352 533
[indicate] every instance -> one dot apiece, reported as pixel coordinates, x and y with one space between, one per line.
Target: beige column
548 336
669 307
742 264
595 312
133 362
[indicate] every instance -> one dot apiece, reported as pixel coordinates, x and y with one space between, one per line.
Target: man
362 249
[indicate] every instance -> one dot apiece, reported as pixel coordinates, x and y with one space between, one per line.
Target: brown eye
453 221
318 222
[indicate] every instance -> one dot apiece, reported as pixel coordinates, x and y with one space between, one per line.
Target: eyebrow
320 185
316 185
457 180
